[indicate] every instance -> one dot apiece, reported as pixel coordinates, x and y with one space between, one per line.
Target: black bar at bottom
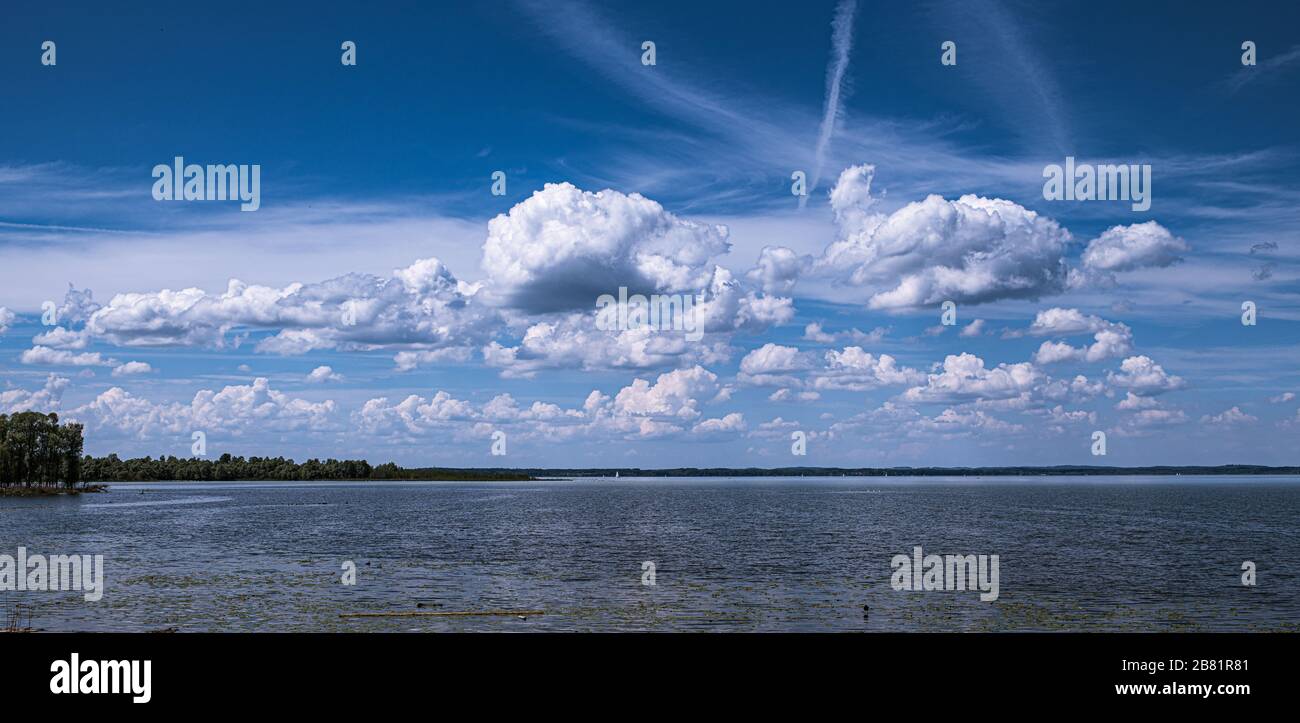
925 672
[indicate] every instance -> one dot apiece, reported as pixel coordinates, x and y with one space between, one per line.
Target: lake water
799 554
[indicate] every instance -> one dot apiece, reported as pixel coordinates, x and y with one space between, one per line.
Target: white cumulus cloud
970 250
563 247
1140 245
1142 376
965 378
322 374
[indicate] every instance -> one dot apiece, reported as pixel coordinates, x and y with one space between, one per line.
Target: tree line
228 469
1054 471
224 469
37 451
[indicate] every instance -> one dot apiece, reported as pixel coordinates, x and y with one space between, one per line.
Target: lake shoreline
50 491
597 474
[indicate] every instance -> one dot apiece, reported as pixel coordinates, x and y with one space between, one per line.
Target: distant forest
36 451
227 468
1060 470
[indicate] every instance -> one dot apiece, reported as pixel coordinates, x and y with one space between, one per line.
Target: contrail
841 43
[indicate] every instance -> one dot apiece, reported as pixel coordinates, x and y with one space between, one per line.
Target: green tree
36 451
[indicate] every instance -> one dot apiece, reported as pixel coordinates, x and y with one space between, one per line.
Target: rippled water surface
729 554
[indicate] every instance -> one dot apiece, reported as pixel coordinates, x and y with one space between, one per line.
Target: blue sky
822 317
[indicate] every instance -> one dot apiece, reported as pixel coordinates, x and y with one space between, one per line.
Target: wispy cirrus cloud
841 46
1268 70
